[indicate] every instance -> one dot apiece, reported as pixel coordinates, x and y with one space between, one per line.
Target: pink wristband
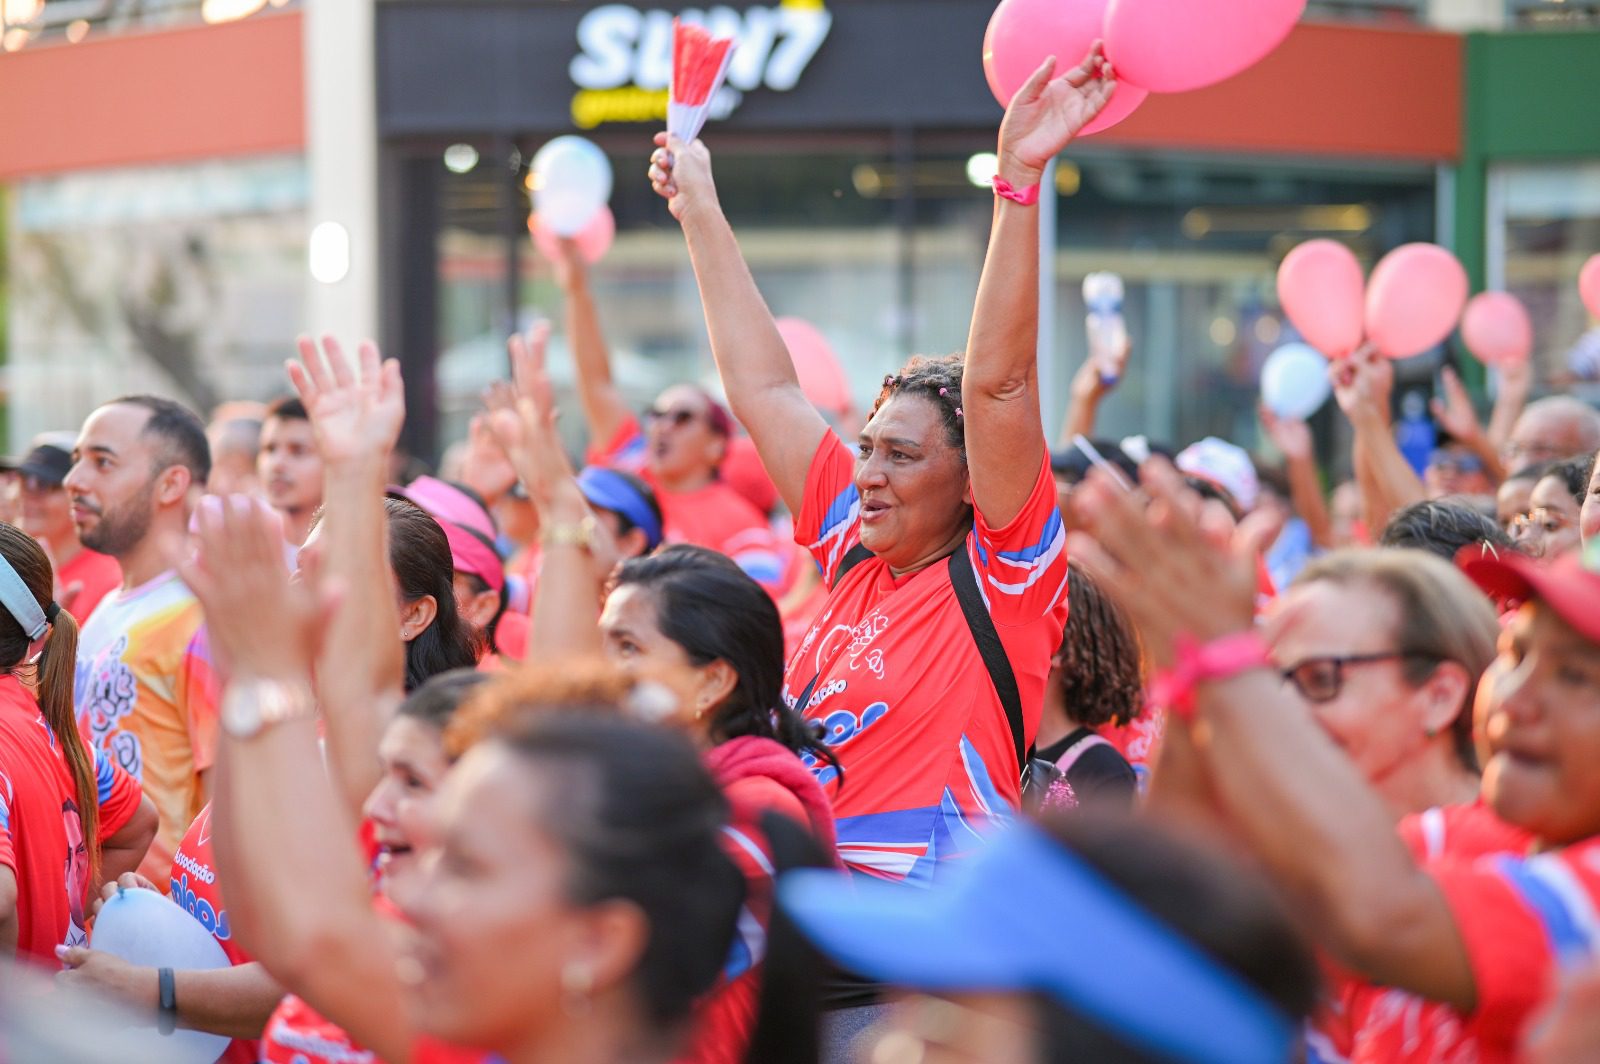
1198 663
1025 196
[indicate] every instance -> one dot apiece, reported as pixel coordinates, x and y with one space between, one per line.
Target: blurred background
186 185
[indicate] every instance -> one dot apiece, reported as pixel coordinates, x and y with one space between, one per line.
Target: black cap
47 463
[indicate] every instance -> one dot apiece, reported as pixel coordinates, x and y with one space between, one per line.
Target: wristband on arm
1198 663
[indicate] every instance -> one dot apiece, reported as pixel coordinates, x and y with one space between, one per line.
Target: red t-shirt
901 691
96 575
41 833
195 889
715 516
1517 917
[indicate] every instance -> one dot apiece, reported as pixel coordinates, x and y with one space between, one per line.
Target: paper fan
699 63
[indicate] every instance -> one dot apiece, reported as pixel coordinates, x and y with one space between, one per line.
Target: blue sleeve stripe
763 567
984 791
1052 529
1561 905
105 777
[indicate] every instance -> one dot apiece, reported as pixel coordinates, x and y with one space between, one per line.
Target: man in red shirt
84 576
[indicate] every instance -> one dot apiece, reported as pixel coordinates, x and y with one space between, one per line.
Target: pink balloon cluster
593 240
1412 302
1153 45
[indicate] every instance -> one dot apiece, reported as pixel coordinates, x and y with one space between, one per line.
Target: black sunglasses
1322 679
678 418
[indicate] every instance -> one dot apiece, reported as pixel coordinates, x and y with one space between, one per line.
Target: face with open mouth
1540 714
413 760
912 482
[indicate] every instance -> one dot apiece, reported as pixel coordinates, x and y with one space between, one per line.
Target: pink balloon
1589 285
1321 289
594 239
821 377
1496 329
1024 33
1179 45
1415 299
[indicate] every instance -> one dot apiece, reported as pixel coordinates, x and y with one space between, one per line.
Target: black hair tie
52 611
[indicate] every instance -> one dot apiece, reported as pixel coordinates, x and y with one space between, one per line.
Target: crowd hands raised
536 763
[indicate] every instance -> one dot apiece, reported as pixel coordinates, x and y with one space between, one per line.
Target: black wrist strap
167 1018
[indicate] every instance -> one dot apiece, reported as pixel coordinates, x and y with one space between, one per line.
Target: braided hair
1101 671
937 380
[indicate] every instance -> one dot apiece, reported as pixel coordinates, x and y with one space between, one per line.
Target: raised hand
1291 436
681 174
259 624
1174 576
570 269
1454 411
486 468
1362 383
1046 114
355 410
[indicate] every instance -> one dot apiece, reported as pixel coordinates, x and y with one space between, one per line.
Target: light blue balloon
571 182
146 929
1294 381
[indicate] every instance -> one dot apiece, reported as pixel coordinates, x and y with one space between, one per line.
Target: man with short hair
83 576
290 467
1550 429
145 690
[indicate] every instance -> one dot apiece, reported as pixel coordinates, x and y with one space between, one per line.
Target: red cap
1565 585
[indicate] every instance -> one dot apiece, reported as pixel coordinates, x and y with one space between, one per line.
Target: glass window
1544 222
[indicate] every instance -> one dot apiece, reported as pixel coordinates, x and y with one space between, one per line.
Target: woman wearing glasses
1467 949
678 447
1384 648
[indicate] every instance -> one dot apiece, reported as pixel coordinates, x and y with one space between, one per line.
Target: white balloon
146 929
571 182
1294 381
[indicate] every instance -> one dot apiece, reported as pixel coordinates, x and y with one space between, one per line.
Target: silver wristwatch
248 706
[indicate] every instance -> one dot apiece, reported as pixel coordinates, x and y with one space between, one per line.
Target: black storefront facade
849 157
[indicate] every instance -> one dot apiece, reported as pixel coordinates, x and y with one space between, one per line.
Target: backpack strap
1077 750
852 558
993 652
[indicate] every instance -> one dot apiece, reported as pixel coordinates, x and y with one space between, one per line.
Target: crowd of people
779 733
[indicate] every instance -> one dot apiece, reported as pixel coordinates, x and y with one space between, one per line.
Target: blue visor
980 932
609 490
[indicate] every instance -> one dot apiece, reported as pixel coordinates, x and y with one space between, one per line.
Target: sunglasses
1322 679
1456 463
676 418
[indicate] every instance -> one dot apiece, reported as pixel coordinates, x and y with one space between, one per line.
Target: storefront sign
624 61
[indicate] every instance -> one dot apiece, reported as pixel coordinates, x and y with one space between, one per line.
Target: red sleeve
624 450
1022 568
201 697
117 792
755 796
1509 917
8 856
829 523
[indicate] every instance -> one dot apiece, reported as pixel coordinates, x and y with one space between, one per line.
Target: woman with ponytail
69 817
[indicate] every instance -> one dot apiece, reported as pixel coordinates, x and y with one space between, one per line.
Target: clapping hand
1175 574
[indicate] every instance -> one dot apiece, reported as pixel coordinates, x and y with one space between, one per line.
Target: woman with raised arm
941 527
679 450
1468 947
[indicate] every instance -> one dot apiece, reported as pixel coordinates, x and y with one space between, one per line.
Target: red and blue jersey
41 827
901 692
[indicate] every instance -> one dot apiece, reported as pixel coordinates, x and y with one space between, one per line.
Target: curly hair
937 380
1102 672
